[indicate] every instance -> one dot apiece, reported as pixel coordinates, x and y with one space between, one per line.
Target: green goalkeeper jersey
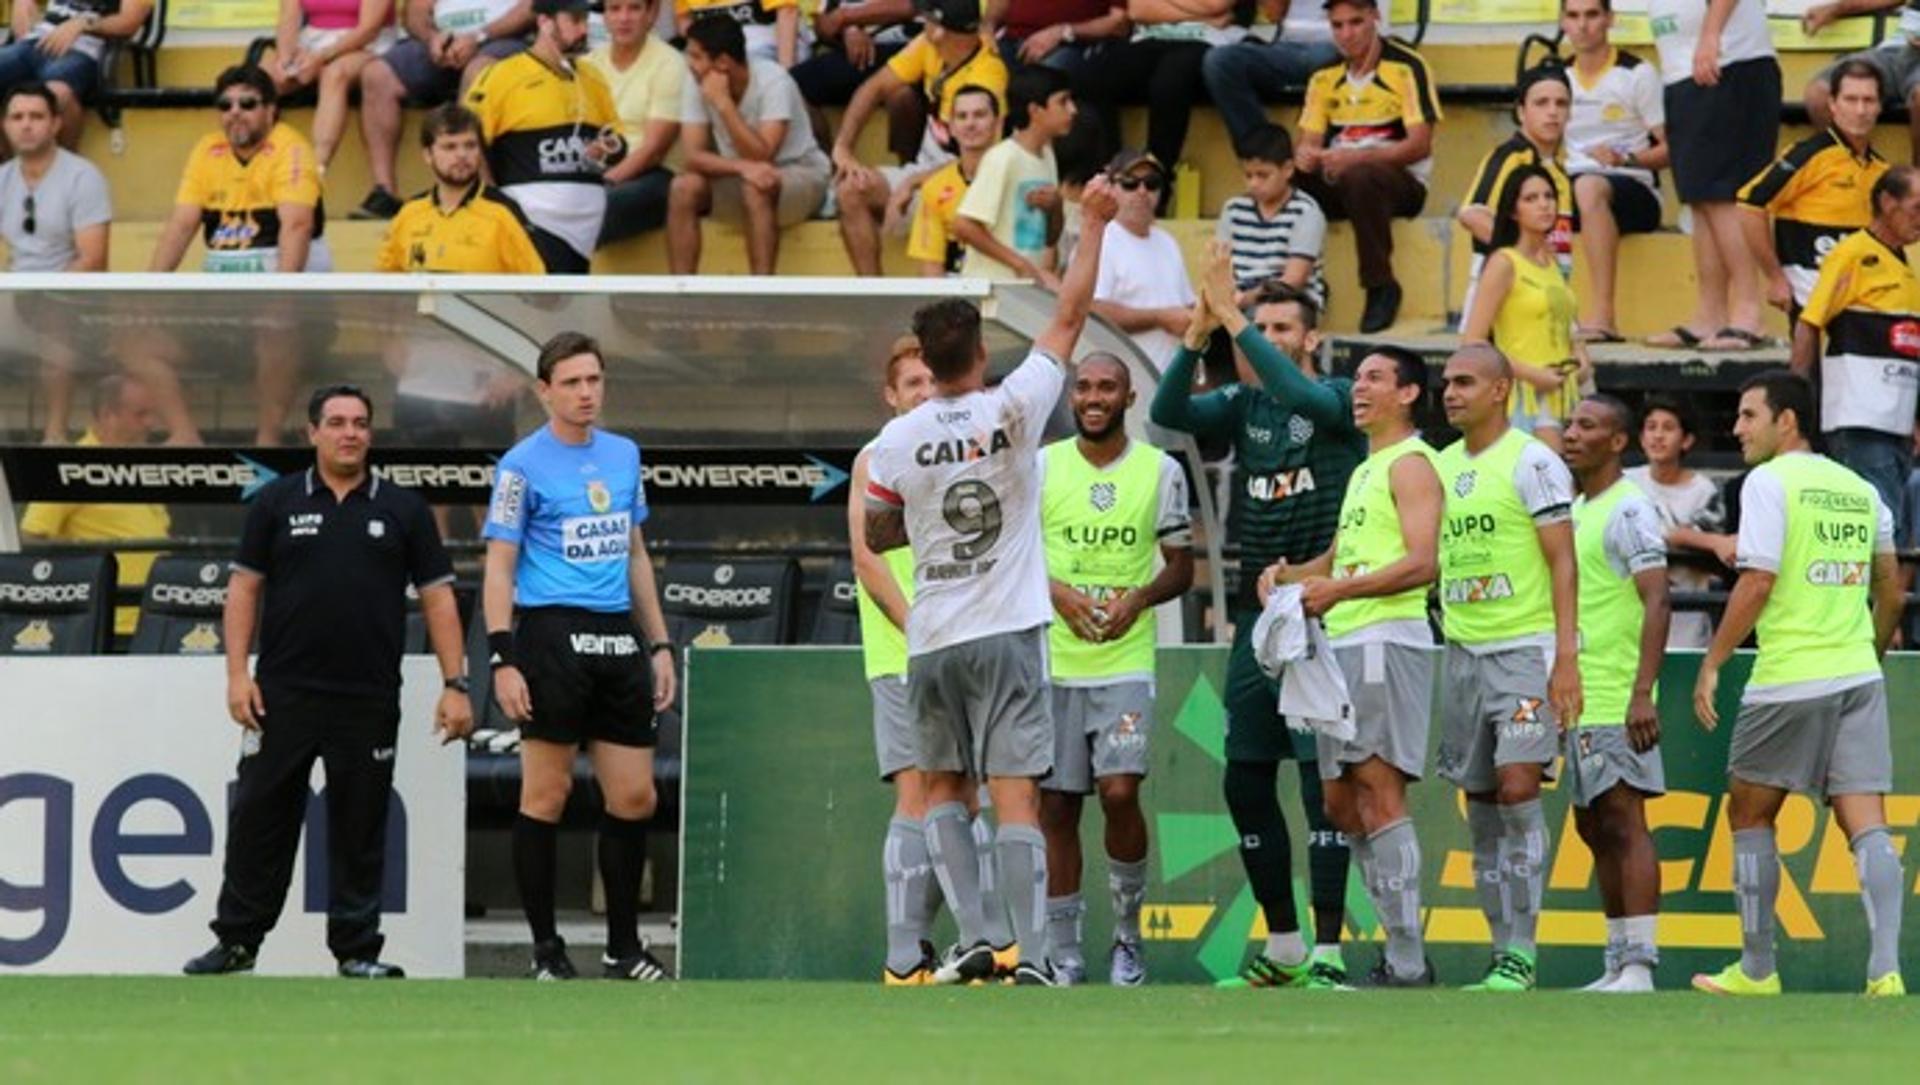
1294 445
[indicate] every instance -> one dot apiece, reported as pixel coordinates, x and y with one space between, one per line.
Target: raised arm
1070 310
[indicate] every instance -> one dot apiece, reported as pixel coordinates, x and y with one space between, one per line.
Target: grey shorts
1833 745
1391 687
1099 731
428 83
1599 758
802 190
982 707
892 724
1493 712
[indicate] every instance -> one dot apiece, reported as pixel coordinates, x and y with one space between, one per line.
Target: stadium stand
56 605
180 609
837 621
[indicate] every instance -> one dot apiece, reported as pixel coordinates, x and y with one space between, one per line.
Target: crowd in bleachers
544 147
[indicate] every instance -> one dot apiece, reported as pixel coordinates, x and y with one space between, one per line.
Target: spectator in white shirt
54 208
1142 286
1616 145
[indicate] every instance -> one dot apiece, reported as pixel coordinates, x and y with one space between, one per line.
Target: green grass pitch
253 1030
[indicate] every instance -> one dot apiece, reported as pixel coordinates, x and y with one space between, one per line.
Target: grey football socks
950 846
1881 884
1064 917
1489 880
1523 860
908 869
1393 880
993 903
1022 852
1127 882
1756 887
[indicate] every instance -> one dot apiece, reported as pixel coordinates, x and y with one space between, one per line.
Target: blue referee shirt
571 509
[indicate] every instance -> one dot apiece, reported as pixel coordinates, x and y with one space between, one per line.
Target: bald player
1511 676
1613 759
1109 507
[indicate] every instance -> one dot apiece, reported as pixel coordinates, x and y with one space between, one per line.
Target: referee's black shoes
358 969
550 961
223 959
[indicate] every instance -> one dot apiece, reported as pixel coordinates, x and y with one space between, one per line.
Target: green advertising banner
784 816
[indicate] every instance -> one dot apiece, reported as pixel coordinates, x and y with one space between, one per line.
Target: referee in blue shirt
566 569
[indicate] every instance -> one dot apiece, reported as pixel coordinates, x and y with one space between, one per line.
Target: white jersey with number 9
964 471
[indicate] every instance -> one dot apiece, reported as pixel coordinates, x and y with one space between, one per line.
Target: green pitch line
283 1031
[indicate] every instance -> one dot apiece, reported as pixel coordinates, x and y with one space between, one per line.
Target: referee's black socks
533 868
623 861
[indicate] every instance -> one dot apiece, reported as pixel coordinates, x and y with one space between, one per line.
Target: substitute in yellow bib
551 132
1372 585
251 189
1512 677
1819 590
461 225
1110 507
1613 762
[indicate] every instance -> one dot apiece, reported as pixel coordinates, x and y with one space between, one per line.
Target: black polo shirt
335 612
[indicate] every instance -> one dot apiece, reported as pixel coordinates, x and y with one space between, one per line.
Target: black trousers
355 737
1163 74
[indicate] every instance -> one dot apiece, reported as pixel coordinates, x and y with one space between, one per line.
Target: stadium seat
713 603
838 621
56 605
181 608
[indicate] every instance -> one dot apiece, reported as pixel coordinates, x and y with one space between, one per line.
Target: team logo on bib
1300 429
1102 495
598 497
1463 485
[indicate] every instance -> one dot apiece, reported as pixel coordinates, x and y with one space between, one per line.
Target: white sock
1639 931
1288 949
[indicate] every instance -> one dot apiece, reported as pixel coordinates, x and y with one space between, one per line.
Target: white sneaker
1068 973
1612 975
1635 979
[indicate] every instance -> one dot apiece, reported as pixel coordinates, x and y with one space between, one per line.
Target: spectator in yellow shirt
123 415
647 77
461 225
975 125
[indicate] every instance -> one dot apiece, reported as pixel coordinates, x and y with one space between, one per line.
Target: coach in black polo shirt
332 549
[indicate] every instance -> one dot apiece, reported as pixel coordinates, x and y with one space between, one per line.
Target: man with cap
1143 286
551 131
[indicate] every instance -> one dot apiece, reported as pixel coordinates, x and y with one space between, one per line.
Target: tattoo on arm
886 529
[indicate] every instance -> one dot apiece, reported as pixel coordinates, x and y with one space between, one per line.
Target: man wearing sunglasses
1143 286
251 188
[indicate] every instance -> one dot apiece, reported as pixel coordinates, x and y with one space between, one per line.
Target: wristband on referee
658 646
500 649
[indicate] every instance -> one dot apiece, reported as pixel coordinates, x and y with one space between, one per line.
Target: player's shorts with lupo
981 707
588 675
1099 731
1835 744
1600 758
893 734
1494 712
1391 689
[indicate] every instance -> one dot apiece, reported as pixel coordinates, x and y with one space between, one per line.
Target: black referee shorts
589 677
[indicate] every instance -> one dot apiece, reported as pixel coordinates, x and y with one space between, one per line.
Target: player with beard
1295 445
1108 504
461 224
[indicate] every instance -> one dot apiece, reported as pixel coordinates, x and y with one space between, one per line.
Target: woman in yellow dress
1524 306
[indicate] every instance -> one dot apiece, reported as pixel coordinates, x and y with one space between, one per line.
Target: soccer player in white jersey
956 478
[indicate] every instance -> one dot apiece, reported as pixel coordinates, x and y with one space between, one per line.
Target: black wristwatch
659 646
459 684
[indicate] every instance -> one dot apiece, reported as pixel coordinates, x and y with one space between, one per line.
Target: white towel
1293 649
